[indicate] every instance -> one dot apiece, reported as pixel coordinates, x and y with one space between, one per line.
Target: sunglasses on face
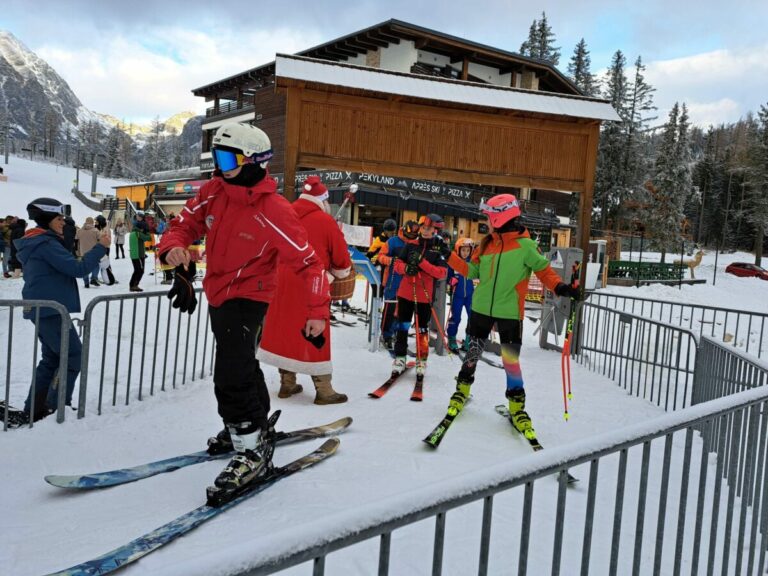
226 160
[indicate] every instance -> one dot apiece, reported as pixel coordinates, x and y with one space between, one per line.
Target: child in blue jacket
463 288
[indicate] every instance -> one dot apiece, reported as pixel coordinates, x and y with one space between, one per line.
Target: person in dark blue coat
50 273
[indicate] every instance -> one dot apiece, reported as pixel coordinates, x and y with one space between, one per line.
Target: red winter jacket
432 267
282 344
247 230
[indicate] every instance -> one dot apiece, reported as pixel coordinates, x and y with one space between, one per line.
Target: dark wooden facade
333 127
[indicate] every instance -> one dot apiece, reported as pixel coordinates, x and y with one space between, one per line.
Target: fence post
66 324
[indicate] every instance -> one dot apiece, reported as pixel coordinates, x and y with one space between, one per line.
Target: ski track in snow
381 460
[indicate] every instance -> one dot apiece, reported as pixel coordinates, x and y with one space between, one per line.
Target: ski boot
221 443
421 369
459 397
398 366
453 345
252 463
465 344
520 419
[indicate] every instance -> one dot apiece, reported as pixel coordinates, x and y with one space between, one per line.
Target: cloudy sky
139 59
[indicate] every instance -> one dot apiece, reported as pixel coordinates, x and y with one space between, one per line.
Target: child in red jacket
421 264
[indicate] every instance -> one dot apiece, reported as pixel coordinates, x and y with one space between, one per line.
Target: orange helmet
462 243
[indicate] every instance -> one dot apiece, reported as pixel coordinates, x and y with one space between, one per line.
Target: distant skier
50 273
503 263
379 241
462 289
421 264
248 227
390 279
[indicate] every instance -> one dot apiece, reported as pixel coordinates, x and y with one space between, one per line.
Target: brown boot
288 386
325 392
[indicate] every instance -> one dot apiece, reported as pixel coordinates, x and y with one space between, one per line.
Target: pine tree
540 42
610 176
579 70
531 45
547 49
670 185
757 197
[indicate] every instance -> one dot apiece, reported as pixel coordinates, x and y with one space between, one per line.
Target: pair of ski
418 389
185 523
435 437
462 353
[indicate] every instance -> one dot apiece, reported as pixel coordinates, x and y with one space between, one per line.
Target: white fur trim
310 368
316 199
340 273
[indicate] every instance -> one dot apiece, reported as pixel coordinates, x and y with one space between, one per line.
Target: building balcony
230 108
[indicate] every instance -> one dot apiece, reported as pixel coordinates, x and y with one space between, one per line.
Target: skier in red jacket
248 227
421 264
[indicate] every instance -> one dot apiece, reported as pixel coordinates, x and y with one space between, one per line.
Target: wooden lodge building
423 122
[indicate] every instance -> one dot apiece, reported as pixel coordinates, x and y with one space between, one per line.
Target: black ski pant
405 309
511 338
138 271
239 384
118 250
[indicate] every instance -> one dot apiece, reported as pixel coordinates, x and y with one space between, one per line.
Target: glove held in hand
182 293
564 289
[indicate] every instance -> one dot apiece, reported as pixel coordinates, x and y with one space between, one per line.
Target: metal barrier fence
668 505
722 371
151 346
23 334
649 359
745 330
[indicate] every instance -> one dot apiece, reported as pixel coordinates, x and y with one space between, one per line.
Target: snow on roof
364 78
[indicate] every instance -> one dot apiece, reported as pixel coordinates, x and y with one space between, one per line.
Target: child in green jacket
136 240
503 263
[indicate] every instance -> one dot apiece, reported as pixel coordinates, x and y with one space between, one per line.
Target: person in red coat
282 344
421 264
248 228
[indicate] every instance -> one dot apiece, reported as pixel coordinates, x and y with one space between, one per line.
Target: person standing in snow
503 264
87 237
390 279
121 230
136 251
248 228
105 266
462 289
421 264
50 273
388 230
282 343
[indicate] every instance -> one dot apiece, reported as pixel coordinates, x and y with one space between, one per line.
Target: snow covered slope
29 179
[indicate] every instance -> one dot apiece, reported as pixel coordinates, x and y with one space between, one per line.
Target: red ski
384 388
418 390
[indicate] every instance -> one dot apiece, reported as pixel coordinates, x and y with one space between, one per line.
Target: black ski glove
182 293
414 257
445 250
568 291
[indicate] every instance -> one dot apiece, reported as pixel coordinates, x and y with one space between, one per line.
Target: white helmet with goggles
235 144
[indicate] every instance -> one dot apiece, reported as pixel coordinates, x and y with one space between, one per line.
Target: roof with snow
394 31
416 86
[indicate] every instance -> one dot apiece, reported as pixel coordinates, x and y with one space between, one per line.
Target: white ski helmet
251 141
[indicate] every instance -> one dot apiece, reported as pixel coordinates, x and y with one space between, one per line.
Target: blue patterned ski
126 475
161 536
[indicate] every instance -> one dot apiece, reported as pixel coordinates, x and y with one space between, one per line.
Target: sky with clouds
139 59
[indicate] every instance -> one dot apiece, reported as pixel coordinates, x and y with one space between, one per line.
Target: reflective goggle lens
226 160
52 209
503 208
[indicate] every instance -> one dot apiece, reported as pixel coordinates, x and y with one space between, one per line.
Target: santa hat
314 187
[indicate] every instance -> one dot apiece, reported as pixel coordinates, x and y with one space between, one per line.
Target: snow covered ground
29 179
381 467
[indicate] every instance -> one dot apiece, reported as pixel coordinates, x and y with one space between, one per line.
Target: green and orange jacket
503 268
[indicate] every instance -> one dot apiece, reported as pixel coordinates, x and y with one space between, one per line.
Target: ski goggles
63 210
226 160
498 209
